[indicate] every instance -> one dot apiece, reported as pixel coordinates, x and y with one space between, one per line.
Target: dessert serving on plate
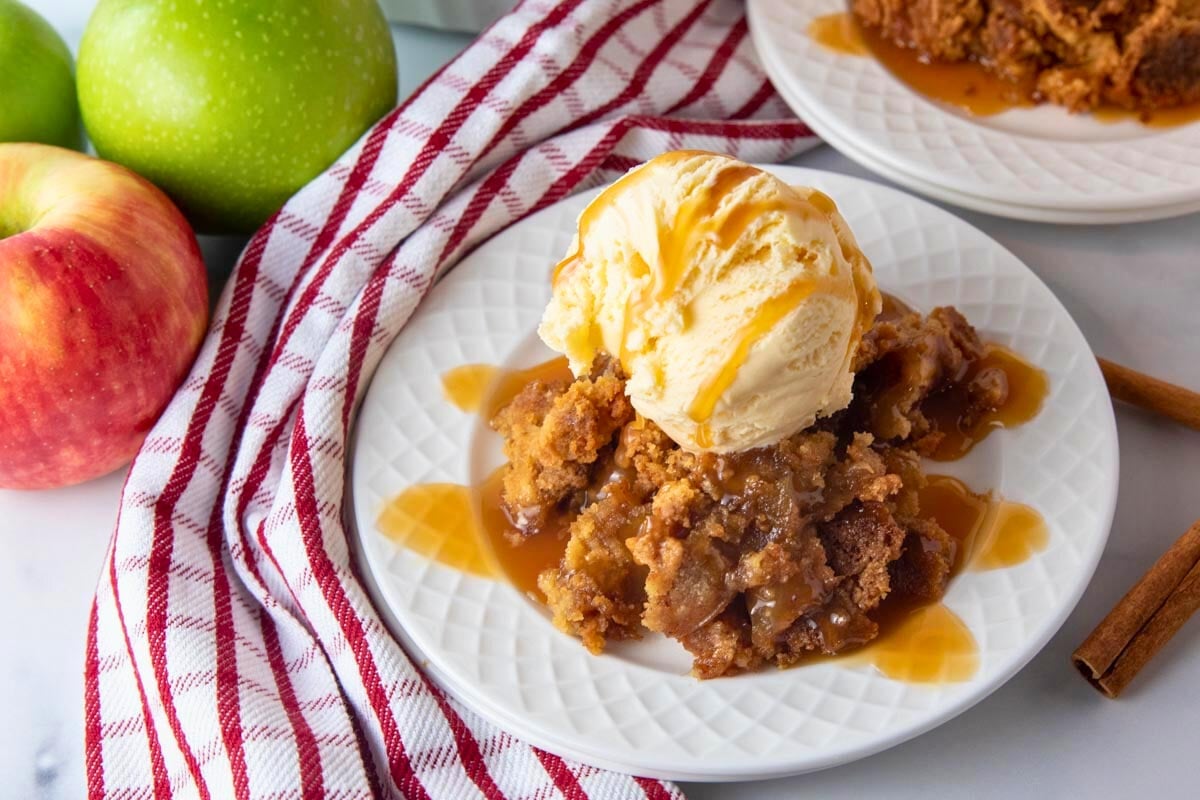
1048 110
1136 54
734 458
454 534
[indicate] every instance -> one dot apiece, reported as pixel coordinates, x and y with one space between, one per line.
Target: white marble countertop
1135 292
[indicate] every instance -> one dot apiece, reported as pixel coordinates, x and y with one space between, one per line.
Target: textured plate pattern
635 708
1033 213
1042 157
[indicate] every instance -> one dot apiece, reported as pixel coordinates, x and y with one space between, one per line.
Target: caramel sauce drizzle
605 200
469 529
965 85
700 219
770 313
697 220
765 318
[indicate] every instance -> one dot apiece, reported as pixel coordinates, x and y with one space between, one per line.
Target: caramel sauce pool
1027 387
840 33
929 644
1026 390
991 533
1158 118
520 559
965 85
485 389
439 521
468 529
923 642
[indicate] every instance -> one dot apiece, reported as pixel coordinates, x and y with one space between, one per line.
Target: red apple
103 304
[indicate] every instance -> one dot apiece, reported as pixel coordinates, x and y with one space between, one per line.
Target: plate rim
771 766
840 133
983 205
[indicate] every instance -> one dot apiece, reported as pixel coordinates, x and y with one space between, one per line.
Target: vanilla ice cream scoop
733 301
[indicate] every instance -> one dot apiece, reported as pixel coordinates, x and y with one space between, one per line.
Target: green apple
231 107
37 83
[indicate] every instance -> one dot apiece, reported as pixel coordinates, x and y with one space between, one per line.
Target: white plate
635 708
1043 158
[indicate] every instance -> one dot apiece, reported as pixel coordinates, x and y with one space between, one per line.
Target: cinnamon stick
1145 619
1131 386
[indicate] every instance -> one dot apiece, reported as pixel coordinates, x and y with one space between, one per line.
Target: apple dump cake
1135 54
750 557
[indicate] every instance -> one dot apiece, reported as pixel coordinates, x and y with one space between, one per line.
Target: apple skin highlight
103 305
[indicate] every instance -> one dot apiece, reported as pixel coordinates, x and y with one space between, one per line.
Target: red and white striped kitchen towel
232 650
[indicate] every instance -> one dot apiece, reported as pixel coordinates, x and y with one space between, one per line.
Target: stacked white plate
1039 164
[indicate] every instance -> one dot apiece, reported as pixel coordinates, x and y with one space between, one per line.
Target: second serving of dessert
1082 54
1116 60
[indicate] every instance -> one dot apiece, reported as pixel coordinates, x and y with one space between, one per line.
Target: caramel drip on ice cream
607 198
859 266
678 241
774 310
698 219
633 306
703 217
740 216
764 320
